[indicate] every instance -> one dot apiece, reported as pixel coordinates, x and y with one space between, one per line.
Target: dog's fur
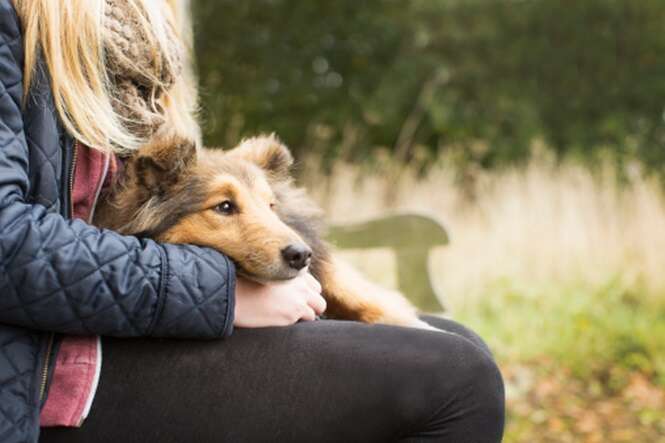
172 192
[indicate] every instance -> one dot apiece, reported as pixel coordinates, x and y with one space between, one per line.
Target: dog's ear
268 152
162 163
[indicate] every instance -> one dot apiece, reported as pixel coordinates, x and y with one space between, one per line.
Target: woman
83 82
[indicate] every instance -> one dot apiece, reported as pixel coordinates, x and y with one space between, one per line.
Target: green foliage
481 78
579 361
600 334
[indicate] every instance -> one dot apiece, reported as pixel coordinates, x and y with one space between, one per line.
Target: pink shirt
79 360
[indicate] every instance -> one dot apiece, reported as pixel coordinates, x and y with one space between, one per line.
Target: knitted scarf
139 69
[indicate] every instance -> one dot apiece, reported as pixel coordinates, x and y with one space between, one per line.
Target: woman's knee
487 394
475 395
466 399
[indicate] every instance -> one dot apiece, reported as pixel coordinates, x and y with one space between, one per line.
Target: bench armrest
411 237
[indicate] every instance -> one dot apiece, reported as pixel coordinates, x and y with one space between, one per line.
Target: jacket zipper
72 174
44 380
51 338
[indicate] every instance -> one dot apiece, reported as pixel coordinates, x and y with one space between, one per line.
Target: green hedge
482 79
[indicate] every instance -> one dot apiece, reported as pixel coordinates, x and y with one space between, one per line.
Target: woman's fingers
308 314
313 282
313 297
317 303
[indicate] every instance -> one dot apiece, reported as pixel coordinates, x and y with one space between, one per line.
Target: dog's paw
416 323
419 324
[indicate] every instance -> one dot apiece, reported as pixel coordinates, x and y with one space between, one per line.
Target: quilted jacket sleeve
66 276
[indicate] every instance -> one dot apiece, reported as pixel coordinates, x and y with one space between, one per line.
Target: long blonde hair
68 35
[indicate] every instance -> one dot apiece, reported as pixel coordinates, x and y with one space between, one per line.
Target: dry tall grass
538 225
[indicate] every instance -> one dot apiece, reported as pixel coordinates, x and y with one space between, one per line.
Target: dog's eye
226 207
273 206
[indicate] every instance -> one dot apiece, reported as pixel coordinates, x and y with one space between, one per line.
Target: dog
243 202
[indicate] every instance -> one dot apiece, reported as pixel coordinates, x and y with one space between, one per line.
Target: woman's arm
66 276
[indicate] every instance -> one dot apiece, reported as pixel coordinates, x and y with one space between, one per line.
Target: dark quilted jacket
63 276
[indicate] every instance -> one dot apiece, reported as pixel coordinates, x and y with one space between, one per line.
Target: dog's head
224 200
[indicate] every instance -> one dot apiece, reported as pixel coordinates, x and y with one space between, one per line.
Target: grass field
563 272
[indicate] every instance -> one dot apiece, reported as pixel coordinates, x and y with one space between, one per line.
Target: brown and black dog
242 202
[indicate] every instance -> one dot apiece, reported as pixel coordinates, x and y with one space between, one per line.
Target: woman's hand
277 303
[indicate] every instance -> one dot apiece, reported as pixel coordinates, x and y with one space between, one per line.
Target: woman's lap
315 381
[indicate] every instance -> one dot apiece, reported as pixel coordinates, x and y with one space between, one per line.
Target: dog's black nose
297 256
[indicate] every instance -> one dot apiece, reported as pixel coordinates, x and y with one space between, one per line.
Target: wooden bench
411 236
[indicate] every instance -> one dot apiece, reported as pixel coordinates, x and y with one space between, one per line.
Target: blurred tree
480 78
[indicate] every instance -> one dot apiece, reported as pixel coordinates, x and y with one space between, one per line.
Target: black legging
323 381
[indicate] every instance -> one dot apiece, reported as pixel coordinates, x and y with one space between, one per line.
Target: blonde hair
68 35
